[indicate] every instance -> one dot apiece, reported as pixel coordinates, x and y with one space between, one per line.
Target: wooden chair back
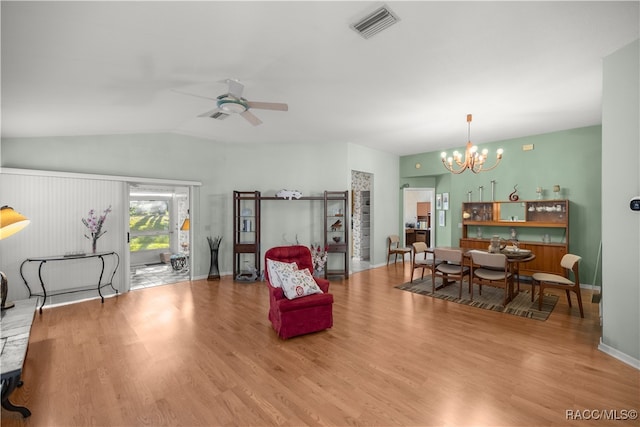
394 241
486 259
453 256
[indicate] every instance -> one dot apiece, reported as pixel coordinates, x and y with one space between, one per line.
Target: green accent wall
569 158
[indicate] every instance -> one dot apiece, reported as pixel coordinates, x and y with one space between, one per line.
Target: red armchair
303 315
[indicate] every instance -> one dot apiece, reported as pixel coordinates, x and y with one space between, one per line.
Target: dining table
515 257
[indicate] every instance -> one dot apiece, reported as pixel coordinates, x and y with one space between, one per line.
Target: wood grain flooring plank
204 354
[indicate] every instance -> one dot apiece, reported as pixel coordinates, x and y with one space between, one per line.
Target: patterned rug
491 298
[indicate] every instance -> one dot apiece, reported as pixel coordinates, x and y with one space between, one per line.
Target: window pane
148 215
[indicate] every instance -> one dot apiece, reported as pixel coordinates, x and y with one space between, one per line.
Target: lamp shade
185 225
11 222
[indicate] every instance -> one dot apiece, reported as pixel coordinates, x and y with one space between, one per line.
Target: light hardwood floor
204 354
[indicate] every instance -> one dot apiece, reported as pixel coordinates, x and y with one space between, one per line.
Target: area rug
491 298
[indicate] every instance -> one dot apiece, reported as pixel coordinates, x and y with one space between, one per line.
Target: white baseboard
625 358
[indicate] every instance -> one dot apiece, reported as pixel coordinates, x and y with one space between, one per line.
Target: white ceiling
521 68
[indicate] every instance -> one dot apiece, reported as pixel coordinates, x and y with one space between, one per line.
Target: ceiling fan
233 103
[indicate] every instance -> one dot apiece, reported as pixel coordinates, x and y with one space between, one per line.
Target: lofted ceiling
521 68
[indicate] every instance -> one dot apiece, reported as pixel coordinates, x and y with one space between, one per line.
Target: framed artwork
445 201
441 218
438 201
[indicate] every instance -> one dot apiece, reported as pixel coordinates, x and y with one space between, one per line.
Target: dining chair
569 262
451 267
393 248
491 269
421 258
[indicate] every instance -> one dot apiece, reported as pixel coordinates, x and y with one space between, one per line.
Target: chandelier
473 160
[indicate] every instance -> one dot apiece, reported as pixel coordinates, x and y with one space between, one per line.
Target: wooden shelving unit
544 223
336 239
246 230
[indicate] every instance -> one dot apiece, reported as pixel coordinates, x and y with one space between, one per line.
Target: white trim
136 179
635 363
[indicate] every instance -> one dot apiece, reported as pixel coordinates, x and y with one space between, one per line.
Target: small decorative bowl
336 239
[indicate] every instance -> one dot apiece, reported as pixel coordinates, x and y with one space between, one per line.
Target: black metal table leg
8 385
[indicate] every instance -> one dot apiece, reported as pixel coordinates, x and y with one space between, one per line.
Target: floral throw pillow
299 283
276 269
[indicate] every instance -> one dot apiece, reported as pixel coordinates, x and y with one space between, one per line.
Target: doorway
361 220
418 215
158 235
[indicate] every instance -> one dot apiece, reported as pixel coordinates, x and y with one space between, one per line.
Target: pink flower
95 224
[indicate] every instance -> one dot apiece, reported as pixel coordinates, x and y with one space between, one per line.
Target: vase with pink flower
94 223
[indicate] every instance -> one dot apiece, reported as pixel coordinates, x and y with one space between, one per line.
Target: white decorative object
289 194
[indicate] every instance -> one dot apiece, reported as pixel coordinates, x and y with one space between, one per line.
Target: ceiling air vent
375 22
218 115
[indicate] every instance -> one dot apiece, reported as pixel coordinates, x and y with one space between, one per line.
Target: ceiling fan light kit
473 160
233 103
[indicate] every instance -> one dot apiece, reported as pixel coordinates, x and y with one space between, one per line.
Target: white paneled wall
56 206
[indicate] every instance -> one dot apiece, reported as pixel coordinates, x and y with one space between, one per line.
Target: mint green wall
570 158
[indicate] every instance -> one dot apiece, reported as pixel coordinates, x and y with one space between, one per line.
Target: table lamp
10 223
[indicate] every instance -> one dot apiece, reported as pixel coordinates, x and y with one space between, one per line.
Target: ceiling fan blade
251 118
235 87
193 94
209 113
268 106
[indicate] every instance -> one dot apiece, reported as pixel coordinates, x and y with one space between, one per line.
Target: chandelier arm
492 167
451 169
